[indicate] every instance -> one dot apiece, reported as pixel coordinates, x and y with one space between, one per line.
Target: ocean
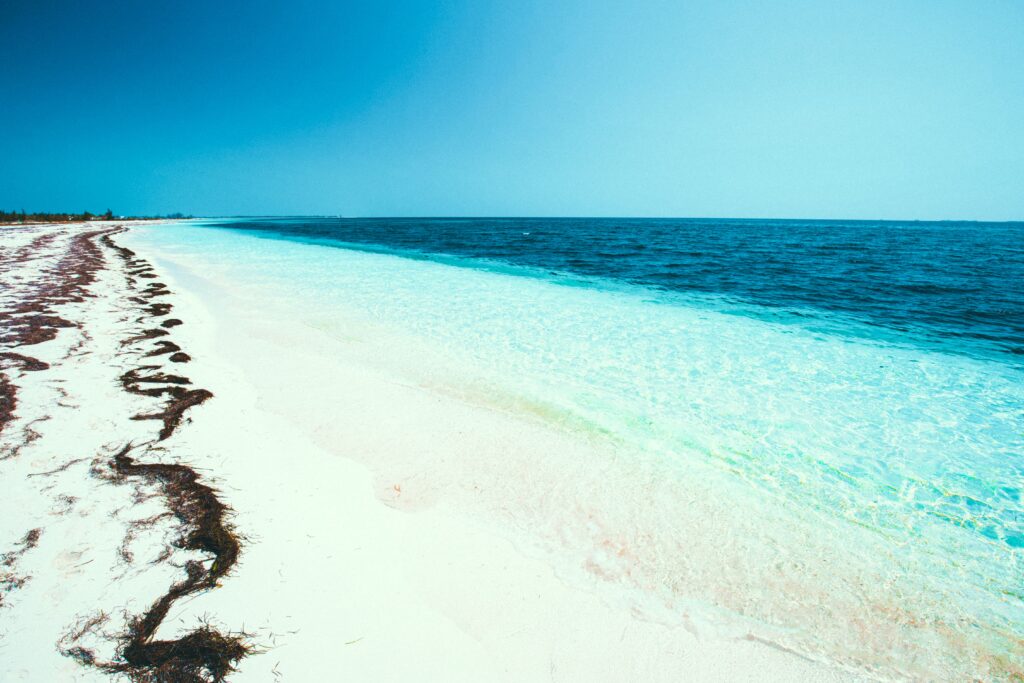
953 284
820 424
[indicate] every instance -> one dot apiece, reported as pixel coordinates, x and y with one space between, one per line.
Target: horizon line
609 217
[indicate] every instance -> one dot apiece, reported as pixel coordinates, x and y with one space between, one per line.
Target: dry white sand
355 564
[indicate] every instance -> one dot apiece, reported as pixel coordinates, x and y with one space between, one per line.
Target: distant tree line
45 217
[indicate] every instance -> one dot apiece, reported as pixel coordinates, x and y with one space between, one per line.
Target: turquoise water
843 487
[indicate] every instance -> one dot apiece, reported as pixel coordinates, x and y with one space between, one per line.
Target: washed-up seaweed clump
9 580
204 654
179 399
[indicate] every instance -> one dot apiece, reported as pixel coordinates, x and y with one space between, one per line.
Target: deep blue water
956 284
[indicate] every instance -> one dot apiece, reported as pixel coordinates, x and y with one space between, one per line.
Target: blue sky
747 109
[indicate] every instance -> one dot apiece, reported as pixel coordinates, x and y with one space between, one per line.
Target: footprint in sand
70 562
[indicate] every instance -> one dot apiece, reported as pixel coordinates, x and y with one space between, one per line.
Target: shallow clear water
814 448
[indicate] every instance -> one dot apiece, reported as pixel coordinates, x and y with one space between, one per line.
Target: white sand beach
360 557
576 342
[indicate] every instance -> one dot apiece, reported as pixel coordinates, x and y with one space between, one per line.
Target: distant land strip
21 217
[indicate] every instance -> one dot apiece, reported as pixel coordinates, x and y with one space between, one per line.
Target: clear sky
579 107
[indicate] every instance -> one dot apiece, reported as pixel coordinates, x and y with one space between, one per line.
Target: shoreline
331 552
333 387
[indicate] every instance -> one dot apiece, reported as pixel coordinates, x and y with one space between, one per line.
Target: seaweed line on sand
9 580
204 654
29 316
68 265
